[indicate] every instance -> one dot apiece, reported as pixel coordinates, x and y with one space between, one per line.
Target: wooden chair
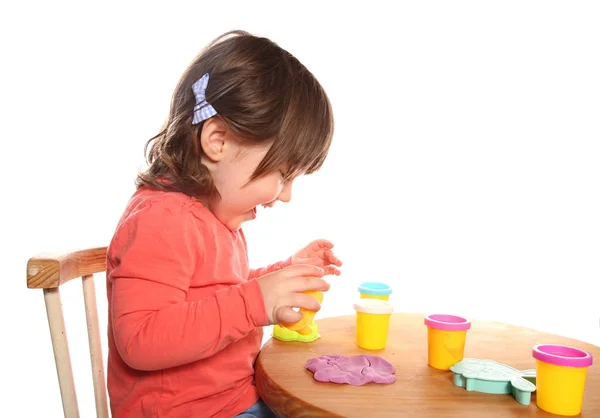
49 272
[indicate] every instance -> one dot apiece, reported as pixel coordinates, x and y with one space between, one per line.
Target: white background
464 172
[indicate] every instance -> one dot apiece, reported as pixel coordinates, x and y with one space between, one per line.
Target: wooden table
419 391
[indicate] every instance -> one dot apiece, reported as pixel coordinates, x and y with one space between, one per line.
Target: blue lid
374 288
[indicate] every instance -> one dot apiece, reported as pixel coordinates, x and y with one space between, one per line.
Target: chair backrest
49 272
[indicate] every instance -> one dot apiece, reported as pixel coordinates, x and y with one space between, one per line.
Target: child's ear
212 139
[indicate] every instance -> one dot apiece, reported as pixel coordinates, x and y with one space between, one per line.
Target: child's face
239 196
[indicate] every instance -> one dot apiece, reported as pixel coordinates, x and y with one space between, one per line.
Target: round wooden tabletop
419 391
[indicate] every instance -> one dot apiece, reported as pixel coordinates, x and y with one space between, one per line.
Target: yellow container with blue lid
374 290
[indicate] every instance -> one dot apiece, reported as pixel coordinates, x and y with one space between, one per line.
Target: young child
185 310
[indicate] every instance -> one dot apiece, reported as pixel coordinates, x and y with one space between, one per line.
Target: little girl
185 310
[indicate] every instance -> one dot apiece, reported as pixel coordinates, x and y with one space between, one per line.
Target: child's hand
318 253
282 291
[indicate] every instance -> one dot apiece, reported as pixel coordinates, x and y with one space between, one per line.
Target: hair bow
202 110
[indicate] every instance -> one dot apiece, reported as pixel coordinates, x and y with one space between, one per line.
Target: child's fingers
305 284
331 258
287 314
332 271
315 261
323 257
300 300
322 243
299 270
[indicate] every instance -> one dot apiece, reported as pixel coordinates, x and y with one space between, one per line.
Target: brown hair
262 93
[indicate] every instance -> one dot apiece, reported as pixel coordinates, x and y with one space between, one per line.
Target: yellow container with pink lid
561 373
446 338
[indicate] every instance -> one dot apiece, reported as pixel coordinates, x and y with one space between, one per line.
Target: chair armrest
48 271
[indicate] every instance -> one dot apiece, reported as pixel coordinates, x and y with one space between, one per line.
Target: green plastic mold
488 376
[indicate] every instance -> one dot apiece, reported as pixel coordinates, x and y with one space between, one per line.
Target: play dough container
446 337
372 323
303 326
560 378
374 290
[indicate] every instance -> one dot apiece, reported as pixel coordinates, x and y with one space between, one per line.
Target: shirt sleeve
256 273
155 254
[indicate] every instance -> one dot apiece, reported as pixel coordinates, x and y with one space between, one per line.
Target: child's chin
236 224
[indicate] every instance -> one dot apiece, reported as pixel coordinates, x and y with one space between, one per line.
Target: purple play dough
355 370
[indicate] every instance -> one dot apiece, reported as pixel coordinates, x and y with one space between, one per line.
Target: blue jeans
258 410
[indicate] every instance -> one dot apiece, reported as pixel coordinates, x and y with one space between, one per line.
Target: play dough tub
560 378
303 325
372 323
446 337
374 290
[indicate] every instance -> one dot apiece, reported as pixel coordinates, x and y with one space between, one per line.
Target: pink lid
562 355
447 322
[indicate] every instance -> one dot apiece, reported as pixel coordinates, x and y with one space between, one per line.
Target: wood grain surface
419 391
49 271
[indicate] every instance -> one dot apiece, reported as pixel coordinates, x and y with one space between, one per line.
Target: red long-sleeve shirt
185 316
